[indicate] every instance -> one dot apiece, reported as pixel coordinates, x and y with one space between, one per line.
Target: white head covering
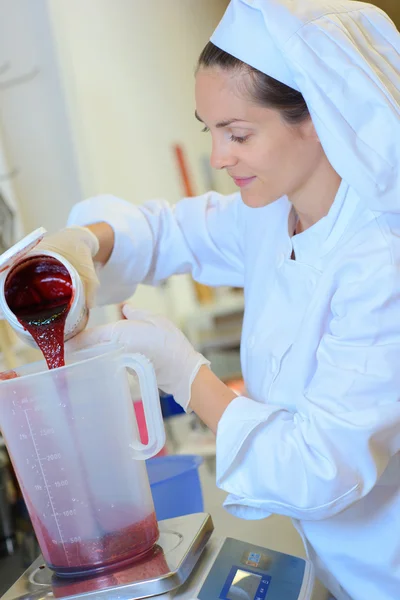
344 57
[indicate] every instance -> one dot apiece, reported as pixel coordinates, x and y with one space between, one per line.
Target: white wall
35 127
128 73
7 190
115 91
127 68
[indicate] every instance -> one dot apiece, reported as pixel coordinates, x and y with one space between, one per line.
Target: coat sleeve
201 236
316 462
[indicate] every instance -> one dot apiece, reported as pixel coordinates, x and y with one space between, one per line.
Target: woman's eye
233 138
239 140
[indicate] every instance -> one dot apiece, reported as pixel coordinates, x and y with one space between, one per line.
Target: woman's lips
243 181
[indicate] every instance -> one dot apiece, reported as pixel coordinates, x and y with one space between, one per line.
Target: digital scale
186 564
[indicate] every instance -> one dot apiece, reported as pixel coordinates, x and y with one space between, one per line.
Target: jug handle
151 404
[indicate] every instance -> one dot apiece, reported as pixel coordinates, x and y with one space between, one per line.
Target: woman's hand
175 361
79 246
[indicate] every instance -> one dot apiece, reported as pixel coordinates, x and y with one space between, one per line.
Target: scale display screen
243 571
245 585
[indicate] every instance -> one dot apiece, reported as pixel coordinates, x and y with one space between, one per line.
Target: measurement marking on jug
51 457
69 513
59 484
48 431
55 514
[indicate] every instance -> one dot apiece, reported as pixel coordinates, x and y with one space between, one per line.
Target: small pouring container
15 257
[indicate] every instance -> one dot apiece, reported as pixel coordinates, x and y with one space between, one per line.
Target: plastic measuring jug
73 439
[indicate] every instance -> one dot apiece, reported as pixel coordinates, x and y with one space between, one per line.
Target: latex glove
78 245
176 362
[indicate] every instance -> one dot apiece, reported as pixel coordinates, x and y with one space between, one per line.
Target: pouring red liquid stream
39 293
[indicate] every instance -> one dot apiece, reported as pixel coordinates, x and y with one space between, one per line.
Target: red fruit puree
108 551
151 566
39 293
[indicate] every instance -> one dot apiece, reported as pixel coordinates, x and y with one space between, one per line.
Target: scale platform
181 542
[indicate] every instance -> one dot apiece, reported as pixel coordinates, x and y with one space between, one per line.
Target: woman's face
266 157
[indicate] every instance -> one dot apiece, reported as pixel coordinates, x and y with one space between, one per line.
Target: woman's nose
221 157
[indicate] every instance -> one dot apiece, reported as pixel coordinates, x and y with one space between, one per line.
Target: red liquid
39 293
108 551
151 566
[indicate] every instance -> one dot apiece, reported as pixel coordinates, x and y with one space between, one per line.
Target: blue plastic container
175 485
169 407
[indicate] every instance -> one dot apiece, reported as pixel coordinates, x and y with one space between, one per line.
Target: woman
301 98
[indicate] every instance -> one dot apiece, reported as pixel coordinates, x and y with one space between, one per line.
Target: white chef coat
318 438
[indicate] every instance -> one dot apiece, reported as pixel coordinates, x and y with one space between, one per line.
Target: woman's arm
106 236
202 236
210 398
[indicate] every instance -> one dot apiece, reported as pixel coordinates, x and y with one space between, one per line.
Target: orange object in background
184 171
204 293
141 421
